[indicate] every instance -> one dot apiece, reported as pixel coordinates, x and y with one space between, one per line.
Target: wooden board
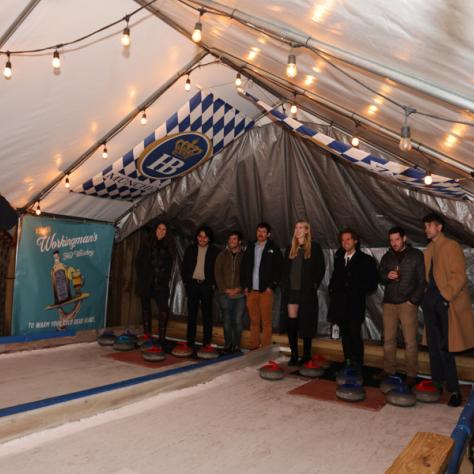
427 453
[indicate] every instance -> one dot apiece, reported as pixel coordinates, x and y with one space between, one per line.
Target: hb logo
174 155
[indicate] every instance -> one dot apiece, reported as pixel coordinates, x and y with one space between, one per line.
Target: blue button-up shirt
258 252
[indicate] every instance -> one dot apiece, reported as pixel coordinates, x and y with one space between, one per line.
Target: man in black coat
259 276
354 276
197 272
402 271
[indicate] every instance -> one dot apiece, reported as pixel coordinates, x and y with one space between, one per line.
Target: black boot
307 343
146 316
293 340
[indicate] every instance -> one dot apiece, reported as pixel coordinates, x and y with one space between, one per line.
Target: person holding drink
402 271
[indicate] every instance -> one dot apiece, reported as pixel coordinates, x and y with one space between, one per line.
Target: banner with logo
61 278
200 129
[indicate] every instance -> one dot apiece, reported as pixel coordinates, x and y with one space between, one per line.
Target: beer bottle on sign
61 287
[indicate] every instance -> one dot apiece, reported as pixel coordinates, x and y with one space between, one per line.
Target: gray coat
411 284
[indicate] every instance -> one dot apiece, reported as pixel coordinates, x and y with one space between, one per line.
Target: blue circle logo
174 155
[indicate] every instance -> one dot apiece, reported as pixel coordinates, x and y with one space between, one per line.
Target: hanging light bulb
126 35
428 178
293 109
187 85
7 71
105 153
56 60
405 134
291 70
143 119
238 80
197 33
67 183
355 142
38 209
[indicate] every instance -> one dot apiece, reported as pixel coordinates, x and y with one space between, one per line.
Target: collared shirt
258 252
199 273
347 257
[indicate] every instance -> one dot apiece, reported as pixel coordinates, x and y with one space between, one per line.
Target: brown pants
407 314
259 307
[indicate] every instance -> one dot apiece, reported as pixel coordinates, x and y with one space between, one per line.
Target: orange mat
326 390
135 357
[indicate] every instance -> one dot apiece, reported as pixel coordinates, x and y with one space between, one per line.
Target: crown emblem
184 149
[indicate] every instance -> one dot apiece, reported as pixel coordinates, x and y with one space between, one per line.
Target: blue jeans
232 310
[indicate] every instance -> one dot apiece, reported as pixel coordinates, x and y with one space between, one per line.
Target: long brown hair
307 242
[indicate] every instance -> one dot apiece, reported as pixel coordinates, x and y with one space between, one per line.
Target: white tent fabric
50 120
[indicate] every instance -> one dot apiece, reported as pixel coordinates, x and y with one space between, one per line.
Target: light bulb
56 61
7 71
126 36
293 109
143 119
197 33
38 209
291 70
355 141
187 85
105 153
67 183
238 80
405 140
428 179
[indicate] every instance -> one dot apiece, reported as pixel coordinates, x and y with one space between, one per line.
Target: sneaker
382 375
293 361
455 400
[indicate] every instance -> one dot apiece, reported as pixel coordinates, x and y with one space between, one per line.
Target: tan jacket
227 270
450 277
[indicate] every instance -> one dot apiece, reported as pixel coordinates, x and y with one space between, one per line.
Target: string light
56 62
428 179
187 85
405 134
105 153
238 80
197 33
291 70
7 71
126 34
38 208
67 183
143 119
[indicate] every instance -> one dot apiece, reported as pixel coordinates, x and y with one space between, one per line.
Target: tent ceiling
52 119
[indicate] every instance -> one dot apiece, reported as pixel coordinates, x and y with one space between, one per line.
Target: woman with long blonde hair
304 269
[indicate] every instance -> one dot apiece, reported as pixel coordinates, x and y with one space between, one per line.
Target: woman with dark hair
354 276
303 271
153 265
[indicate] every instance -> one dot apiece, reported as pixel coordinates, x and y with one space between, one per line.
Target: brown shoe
410 381
383 374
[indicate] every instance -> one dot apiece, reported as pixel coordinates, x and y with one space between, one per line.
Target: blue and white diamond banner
199 130
414 177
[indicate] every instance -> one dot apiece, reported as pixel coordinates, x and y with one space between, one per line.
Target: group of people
247 278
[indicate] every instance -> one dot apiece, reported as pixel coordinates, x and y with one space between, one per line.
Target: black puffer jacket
411 284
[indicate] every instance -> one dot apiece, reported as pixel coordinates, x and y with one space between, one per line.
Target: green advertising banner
61 278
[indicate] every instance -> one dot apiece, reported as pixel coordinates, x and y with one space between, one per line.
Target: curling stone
321 361
390 382
154 354
146 345
125 342
401 396
107 338
349 375
207 352
271 371
144 338
427 392
311 369
182 350
350 392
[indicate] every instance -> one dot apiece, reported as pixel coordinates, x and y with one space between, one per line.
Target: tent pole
298 38
18 21
117 128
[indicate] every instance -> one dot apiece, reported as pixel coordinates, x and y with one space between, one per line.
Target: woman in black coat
303 272
153 264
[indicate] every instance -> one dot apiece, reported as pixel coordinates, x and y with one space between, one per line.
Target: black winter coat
312 273
152 273
411 284
350 285
189 264
270 267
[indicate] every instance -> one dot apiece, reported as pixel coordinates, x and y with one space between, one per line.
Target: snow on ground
238 423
